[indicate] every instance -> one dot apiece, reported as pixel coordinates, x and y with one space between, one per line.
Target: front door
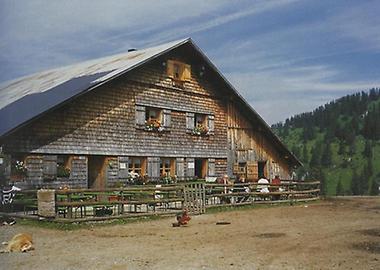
200 168
96 172
261 166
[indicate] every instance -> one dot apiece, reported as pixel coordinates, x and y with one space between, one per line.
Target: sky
285 57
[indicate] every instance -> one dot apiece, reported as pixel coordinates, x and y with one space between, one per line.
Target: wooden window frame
153 109
132 165
67 163
178 71
165 170
14 174
202 124
157 121
203 121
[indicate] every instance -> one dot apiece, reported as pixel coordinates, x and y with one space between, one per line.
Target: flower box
153 125
200 130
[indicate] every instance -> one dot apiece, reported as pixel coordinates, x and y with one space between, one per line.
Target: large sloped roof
28 97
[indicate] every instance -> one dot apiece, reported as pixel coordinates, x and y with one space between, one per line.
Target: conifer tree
342 148
352 149
374 187
355 185
339 188
327 156
368 149
305 154
323 185
316 155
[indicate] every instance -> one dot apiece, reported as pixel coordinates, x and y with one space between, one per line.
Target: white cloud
58 32
279 94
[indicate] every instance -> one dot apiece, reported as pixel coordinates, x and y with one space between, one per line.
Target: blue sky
285 57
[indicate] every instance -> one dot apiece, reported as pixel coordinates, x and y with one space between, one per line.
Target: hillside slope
338 143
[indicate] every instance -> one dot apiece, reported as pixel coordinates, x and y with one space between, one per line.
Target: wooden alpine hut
155 114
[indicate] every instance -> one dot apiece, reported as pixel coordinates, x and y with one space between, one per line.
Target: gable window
178 71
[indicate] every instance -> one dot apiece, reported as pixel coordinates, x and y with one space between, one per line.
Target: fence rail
196 197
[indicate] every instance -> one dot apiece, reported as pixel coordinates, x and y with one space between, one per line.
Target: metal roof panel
25 98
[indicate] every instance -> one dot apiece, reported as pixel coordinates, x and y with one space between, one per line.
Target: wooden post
46 202
69 208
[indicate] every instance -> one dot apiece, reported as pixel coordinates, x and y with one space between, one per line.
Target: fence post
46 202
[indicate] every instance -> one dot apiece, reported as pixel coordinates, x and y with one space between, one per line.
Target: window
167 167
200 124
242 168
18 168
63 166
178 71
153 119
200 120
153 114
137 165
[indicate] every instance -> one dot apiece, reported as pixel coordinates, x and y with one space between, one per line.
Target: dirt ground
333 234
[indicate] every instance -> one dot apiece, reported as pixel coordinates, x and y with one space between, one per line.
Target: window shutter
154 167
186 72
189 122
50 167
252 155
166 119
211 167
170 69
236 169
123 167
190 168
180 168
252 171
210 119
140 116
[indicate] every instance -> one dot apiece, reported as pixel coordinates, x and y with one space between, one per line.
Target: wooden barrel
46 202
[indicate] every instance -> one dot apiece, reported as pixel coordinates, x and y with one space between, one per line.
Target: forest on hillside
338 143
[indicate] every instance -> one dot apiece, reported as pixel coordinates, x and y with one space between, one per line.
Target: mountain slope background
338 143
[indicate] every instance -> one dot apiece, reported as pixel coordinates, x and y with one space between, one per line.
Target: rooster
182 219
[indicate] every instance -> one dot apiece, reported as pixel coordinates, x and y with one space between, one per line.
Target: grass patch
84 225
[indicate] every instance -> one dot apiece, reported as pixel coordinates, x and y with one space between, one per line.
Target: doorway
200 168
261 169
96 172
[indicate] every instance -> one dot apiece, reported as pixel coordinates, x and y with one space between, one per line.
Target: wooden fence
252 193
100 204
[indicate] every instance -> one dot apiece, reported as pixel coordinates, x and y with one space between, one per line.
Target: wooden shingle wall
103 121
